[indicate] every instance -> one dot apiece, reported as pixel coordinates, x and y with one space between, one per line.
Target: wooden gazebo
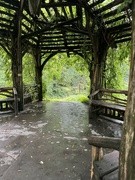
47 27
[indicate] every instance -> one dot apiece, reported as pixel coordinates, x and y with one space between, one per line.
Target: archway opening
66 78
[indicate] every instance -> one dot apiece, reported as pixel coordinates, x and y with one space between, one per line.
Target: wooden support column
127 149
17 56
39 83
97 154
100 48
38 71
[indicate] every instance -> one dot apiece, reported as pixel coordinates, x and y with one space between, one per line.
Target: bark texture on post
127 150
39 82
17 56
38 72
100 48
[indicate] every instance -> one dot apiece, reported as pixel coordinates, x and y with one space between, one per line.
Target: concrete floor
48 141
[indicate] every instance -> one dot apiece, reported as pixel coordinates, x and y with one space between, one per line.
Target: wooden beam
115 91
13 2
123 40
8 6
124 35
112 13
105 142
114 20
58 34
70 29
43 15
5 20
95 3
67 39
71 11
118 27
6 13
58 4
6 26
50 28
43 52
108 6
63 47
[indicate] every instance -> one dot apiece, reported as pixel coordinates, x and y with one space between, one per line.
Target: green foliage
74 98
117 67
125 3
64 76
5 69
28 69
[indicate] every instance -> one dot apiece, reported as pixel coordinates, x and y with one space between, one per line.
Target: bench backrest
111 95
8 99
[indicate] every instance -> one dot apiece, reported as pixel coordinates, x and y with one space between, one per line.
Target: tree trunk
39 82
127 155
38 72
100 48
17 57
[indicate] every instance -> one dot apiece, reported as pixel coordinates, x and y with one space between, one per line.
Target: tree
127 155
117 67
5 69
63 74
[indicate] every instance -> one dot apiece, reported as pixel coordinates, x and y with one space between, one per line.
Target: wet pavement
48 141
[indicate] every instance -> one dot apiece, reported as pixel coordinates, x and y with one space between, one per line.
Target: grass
72 98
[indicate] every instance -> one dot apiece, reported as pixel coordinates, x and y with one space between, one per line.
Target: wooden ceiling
65 25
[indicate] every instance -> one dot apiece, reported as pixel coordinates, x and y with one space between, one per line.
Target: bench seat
107 168
108 105
7 100
108 109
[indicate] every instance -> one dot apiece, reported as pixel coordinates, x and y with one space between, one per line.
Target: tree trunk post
100 48
127 149
97 154
96 68
38 72
17 57
39 82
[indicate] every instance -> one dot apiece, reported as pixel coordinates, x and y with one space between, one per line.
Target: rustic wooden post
38 71
99 142
15 101
97 154
17 56
127 150
100 48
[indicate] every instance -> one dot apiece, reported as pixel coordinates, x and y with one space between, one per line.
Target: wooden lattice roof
65 25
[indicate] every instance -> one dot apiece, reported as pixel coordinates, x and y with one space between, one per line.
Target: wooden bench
105 102
104 167
109 109
9 99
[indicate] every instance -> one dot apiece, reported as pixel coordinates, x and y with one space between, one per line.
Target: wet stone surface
48 141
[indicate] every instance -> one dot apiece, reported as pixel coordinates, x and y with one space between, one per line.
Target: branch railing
8 99
108 102
30 93
98 143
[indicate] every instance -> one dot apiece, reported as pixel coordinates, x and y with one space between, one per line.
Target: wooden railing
8 99
108 102
30 93
104 166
